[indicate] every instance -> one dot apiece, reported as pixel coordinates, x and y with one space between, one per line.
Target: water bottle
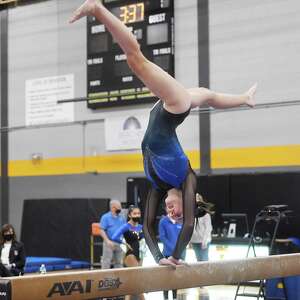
43 269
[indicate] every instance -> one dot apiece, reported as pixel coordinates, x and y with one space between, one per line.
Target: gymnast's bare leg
176 98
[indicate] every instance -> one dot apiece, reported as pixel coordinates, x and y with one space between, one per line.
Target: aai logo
70 287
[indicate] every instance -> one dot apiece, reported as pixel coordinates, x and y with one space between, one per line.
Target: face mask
136 219
8 237
118 211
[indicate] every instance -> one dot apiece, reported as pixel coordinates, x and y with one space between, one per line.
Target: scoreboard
110 82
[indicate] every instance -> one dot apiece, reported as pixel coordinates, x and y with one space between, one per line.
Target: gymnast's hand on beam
179 262
167 262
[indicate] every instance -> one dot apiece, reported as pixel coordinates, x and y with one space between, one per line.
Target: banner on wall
41 96
125 133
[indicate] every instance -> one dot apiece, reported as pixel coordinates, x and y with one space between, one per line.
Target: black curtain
251 192
60 227
241 193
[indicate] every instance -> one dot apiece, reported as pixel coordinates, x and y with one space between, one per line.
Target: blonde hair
175 196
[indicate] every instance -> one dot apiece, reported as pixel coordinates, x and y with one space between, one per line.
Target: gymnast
132 232
166 165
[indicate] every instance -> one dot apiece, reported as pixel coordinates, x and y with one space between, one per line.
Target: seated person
12 253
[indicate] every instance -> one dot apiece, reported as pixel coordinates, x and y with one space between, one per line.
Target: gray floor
222 292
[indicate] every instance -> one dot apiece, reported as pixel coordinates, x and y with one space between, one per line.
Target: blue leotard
165 162
166 167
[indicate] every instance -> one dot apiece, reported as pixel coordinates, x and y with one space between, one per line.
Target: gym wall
41 44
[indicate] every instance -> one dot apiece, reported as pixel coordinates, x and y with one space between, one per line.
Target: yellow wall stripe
252 157
271 156
77 165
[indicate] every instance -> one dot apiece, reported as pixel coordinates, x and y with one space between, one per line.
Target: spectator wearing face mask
169 229
201 237
133 235
110 222
12 253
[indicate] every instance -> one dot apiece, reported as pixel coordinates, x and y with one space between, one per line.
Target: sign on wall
41 96
125 133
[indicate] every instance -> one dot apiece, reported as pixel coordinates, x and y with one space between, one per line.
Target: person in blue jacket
110 222
169 230
166 165
132 232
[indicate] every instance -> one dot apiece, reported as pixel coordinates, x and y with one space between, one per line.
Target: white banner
125 133
41 96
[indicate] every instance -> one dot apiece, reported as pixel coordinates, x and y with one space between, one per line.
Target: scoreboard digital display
110 82
131 13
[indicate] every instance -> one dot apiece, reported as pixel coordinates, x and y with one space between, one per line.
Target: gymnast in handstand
166 165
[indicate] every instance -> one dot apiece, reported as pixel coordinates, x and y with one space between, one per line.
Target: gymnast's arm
118 235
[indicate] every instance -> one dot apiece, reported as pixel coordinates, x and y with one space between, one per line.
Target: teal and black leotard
165 162
166 166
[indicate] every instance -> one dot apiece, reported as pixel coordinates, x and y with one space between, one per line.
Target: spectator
110 222
169 229
12 253
133 235
201 237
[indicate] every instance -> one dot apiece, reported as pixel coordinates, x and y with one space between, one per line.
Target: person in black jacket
12 253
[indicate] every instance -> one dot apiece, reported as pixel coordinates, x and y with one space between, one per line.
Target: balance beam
130 281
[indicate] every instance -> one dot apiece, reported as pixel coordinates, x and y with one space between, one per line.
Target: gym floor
220 292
